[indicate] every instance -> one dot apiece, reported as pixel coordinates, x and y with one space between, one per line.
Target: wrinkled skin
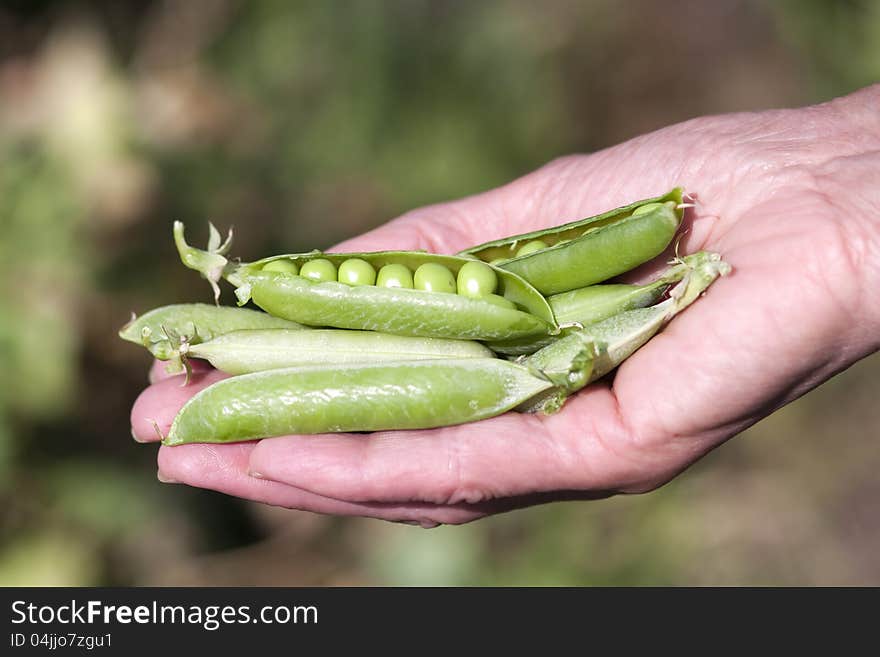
791 199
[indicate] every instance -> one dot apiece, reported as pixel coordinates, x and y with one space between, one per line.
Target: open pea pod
517 310
590 250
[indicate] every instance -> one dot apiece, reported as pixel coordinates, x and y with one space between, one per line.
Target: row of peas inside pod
409 340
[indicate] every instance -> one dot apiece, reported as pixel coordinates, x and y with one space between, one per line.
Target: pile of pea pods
415 340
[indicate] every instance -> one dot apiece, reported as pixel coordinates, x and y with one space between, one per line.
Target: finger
155 408
224 468
511 455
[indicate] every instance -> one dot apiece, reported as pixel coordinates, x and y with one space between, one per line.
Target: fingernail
255 474
164 479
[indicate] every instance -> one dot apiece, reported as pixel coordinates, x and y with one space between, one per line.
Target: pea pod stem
211 263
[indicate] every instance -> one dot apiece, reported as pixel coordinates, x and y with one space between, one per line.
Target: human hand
790 198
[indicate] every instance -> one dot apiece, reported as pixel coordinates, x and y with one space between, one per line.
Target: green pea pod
400 311
425 394
615 339
588 305
163 330
591 250
380 396
592 304
243 352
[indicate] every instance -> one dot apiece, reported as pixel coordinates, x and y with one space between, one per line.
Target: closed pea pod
162 329
597 302
619 336
592 304
590 250
400 311
589 305
584 307
305 400
243 352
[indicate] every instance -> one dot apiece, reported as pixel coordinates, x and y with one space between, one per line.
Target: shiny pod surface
592 304
197 322
590 250
243 352
584 307
395 310
618 337
589 305
307 400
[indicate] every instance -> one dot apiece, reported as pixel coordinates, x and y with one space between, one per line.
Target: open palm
790 198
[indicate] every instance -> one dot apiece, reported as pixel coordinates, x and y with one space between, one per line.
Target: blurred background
307 122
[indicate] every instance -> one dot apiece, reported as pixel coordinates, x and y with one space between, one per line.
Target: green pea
355 271
395 276
646 208
531 247
318 270
433 277
283 266
497 300
476 279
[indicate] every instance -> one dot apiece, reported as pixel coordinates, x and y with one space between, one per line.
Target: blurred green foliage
840 40
305 123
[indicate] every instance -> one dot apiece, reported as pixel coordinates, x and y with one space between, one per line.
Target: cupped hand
790 198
